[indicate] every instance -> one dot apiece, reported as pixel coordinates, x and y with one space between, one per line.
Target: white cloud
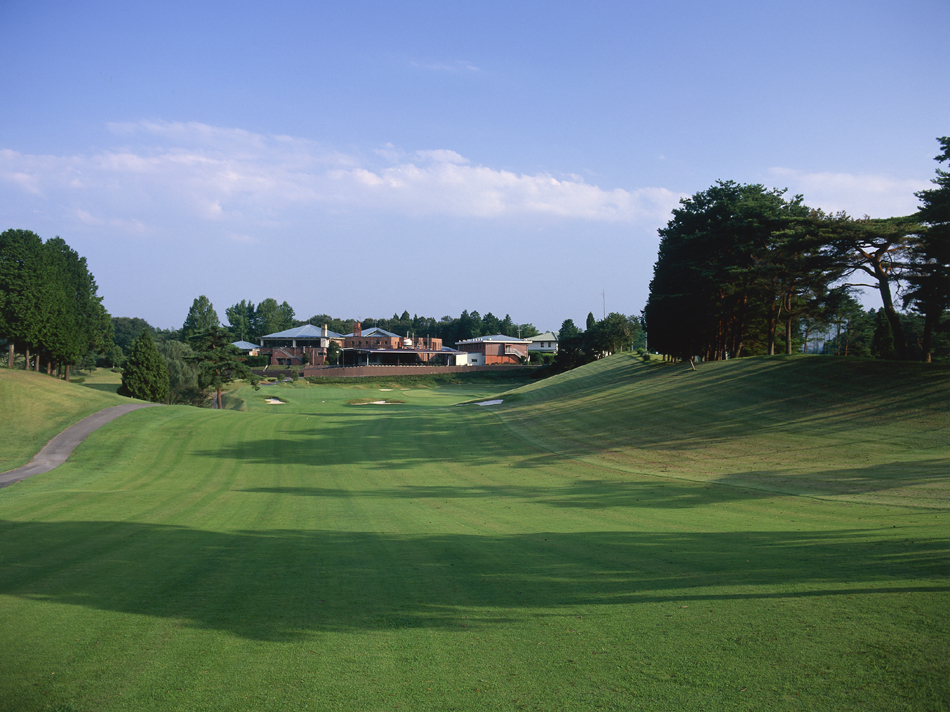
857 194
199 174
459 65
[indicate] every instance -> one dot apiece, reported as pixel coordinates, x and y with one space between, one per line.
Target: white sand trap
385 389
491 402
275 401
373 403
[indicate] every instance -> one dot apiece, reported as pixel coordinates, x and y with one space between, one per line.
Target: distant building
378 347
288 348
496 349
545 343
246 347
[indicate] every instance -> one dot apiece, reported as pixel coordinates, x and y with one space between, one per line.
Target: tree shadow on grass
580 493
280 585
668 407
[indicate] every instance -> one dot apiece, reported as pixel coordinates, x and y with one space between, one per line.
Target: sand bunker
491 402
275 401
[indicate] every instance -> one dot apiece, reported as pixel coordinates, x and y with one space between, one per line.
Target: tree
218 361
271 317
81 322
48 301
145 376
183 386
879 248
719 282
24 289
201 317
591 321
608 336
126 331
568 330
241 321
929 278
333 353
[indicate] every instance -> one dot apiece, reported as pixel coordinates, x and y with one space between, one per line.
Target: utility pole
604 295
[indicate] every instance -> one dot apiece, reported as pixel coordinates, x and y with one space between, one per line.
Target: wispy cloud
857 194
459 65
243 181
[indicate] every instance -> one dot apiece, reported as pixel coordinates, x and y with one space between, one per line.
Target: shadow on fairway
585 494
768 425
669 493
282 585
663 406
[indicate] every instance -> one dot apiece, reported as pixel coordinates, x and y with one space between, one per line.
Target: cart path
57 450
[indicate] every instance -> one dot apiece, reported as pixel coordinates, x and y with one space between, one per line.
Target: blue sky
365 158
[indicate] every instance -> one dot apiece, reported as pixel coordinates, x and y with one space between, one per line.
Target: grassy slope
845 428
320 555
36 407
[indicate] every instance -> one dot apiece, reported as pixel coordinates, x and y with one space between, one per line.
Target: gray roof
495 338
244 345
307 331
376 331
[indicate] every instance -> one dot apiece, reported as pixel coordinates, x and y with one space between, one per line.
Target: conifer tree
145 376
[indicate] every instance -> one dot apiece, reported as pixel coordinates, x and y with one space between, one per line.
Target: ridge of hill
35 407
853 429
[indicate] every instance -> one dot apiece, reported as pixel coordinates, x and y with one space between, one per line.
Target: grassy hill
36 407
846 428
621 537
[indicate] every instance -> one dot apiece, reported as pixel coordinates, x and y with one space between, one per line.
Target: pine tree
145 376
201 317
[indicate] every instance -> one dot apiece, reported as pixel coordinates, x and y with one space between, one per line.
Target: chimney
324 331
357 330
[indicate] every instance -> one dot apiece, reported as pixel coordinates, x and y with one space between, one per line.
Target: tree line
50 310
743 270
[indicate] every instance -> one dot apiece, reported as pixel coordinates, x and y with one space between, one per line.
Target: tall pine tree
145 376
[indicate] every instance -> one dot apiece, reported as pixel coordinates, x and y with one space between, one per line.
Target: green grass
850 429
102 379
34 407
320 555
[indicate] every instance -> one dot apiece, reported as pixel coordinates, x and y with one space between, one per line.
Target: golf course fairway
760 534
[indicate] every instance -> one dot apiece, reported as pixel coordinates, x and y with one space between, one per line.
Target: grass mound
37 407
831 427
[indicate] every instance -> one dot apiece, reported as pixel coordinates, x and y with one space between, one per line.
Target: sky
362 159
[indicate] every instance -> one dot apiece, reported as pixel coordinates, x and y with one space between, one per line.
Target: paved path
55 452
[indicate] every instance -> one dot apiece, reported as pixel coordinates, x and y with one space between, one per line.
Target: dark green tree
568 330
201 317
25 286
591 321
126 331
929 274
241 321
880 249
218 361
83 322
607 336
271 317
730 260
882 343
145 375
